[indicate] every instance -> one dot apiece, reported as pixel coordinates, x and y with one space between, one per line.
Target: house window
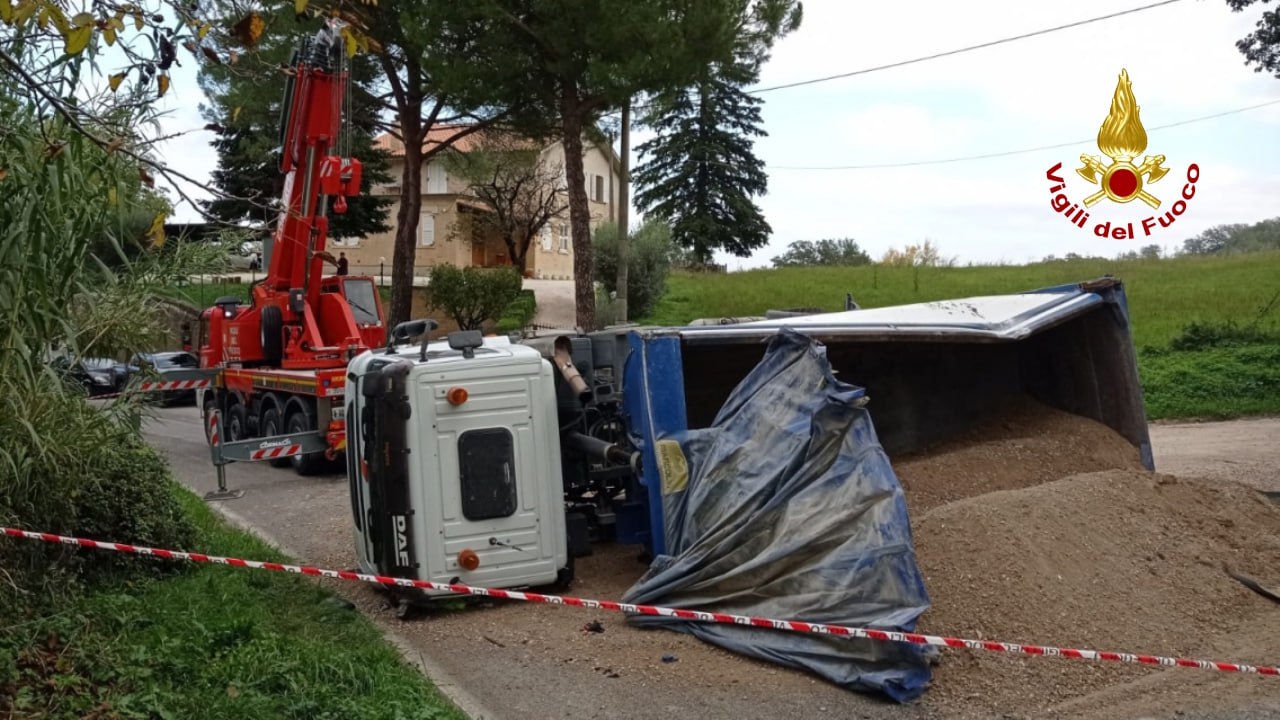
437 180
598 194
427 229
564 237
546 238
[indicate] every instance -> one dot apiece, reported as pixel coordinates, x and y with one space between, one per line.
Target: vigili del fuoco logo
1119 179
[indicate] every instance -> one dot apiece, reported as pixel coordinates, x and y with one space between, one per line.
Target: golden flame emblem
1122 138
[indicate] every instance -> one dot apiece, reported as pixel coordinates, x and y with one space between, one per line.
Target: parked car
98 376
166 363
247 257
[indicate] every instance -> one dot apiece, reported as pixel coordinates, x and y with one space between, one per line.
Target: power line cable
1007 153
966 49
935 56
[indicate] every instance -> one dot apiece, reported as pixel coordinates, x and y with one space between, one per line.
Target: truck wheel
271 324
300 420
270 425
237 423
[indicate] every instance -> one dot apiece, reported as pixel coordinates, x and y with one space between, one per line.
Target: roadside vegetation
1207 327
208 641
88 634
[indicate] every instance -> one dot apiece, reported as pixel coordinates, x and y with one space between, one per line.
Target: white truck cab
453 454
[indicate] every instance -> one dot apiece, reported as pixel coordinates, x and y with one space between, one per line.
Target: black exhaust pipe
607 451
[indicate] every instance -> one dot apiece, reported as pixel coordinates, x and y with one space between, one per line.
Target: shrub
519 314
1201 336
81 262
472 295
649 253
100 480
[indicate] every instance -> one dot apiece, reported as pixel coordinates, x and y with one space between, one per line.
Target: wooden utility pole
624 184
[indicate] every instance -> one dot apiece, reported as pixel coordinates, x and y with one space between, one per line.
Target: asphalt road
518 660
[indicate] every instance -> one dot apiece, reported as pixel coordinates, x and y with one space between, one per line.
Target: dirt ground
1246 451
1014 543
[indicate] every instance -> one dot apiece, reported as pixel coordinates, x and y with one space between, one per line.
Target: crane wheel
271 324
237 423
300 419
269 426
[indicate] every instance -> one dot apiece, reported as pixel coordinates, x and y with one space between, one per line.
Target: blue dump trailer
766 486
931 370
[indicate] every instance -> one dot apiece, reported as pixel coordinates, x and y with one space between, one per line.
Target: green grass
1204 379
1214 383
1164 295
211 642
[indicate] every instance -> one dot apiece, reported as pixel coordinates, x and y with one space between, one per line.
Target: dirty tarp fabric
787 507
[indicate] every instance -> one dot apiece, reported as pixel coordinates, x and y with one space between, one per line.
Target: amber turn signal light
468 559
457 396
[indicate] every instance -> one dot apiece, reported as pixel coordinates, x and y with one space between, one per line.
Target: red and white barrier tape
724 618
153 386
173 385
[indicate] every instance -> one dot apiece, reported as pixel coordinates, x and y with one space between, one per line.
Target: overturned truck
751 459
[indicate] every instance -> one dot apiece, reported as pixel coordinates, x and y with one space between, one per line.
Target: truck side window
487 473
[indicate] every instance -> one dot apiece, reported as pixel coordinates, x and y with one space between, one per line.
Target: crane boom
284 355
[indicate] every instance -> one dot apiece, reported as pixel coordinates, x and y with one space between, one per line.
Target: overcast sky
1046 90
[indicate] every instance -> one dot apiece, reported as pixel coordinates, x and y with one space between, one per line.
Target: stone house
445 198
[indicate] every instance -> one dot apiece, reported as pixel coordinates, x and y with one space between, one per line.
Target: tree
1150 252
561 63
844 251
472 295
1235 238
649 249
510 175
244 113
924 255
1210 241
701 172
409 105
1261 47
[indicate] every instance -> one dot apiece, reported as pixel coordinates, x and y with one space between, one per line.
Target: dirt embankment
1043 528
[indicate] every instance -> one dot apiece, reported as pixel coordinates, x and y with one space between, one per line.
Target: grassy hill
1209 342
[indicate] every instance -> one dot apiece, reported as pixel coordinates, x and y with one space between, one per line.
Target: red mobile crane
284 356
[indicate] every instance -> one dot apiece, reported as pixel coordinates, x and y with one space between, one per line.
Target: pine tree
700 171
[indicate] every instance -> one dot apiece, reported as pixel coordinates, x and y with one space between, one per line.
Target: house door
477 254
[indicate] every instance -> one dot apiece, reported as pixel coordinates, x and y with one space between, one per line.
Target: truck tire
271 424
271 324
237 423
300 419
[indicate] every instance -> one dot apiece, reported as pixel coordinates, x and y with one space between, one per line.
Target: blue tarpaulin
787 507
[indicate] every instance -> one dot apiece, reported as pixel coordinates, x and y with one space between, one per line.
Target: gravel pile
1017 544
